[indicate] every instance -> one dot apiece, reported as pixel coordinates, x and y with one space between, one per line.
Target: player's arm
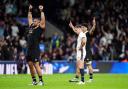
83 42
93 27
42 22
30 16
72 27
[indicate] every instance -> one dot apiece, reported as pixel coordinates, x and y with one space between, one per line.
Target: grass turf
60 81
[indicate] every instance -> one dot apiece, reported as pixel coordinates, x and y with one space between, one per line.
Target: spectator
55 41
15 30
22 64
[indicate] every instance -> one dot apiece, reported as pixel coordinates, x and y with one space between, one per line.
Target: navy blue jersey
33 40
88 47
33 37
88 44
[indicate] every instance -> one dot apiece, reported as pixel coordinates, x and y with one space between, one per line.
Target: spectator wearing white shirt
15 30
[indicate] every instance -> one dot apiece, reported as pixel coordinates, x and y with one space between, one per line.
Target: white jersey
81 54
79 39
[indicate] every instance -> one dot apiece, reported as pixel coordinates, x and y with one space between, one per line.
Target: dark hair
85 24
37 18
78 26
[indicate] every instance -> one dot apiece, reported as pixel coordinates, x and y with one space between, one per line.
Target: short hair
37 18
85 24
78 26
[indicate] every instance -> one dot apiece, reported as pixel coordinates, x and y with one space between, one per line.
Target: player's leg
76 78
88 62
77 71
81 68
90 71
81 65
80 62
39 72
32 71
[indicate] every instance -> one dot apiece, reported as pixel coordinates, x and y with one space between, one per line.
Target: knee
81 64
90 68
30 64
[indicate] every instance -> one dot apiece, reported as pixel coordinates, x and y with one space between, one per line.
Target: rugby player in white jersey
88 59
80 50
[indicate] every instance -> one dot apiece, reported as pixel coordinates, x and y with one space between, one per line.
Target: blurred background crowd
109 42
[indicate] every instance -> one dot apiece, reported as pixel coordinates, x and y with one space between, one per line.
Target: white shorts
81 54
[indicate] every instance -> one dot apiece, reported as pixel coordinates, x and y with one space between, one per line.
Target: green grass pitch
60 81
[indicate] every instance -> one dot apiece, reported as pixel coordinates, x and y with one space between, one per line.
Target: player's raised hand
41 7
94 21
30 7
70 24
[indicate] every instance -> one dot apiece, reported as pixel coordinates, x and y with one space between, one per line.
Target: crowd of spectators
109 42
